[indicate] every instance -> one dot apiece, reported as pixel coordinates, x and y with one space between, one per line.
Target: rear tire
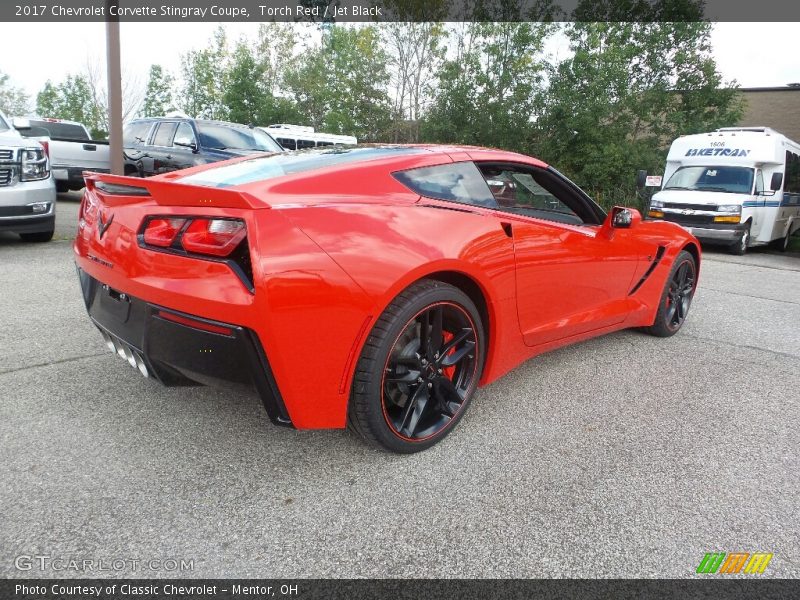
418 370
676 299
38 237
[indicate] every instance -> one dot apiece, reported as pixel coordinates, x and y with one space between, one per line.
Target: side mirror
624 218
776 182
641 179
21 123
620 217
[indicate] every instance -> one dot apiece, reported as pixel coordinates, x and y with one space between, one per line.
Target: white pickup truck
72 149
27 189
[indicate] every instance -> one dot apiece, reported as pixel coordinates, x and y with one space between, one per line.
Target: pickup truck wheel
38 237
62 187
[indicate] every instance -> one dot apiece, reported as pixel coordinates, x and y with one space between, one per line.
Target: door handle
90 147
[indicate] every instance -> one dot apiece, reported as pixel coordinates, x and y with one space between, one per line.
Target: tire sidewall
660 327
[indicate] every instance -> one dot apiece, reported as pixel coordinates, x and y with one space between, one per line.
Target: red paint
330 249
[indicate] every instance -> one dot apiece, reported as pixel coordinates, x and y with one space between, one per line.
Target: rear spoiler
118 189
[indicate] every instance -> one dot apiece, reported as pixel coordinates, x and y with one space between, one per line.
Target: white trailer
738 186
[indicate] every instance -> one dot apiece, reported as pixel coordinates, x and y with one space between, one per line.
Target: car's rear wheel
419 368
676 297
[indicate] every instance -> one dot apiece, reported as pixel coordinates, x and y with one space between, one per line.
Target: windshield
224 137
731 180
3 124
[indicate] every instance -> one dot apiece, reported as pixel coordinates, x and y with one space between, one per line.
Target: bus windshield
731 180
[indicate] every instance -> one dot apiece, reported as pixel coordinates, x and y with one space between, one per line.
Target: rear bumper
175 348
73 175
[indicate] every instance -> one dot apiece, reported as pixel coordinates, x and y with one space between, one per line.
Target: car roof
209 121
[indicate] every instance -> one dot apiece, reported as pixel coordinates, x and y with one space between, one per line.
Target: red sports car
374 287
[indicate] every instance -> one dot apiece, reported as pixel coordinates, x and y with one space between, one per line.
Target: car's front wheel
676 298
419 368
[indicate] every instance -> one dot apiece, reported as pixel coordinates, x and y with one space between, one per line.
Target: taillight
217 237
162 232
204 235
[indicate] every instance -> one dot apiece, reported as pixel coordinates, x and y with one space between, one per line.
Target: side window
184 136
458 182
305 144
135 134
759 181
287 143
164 134
531 192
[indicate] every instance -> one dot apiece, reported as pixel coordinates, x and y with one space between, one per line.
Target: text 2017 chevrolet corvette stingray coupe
374 287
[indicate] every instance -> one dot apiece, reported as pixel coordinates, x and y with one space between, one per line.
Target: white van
298 137
738 186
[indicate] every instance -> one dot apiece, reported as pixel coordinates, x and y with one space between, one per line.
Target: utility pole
114 76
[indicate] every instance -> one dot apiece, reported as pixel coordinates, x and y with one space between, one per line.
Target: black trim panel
653 265
178 354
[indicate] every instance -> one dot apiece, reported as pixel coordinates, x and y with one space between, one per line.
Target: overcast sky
753 54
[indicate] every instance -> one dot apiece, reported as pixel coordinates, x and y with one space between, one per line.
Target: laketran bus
738 186
298 137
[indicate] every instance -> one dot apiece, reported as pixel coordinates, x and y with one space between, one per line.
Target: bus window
287 143
305 144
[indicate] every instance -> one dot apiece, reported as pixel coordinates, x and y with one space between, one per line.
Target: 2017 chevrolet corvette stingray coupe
374 287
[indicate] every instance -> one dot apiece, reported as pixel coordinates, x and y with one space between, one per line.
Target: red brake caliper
449 372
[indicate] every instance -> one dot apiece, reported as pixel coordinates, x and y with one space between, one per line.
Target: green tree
490 89
628 90
244 95
73 100
13 100
340 86
202 93
158 98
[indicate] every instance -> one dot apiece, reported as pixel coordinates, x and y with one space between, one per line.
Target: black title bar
397 10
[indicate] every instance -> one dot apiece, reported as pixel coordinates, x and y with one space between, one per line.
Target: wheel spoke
457 339
415 413
410 377
437 335
671 312
453 359
446 394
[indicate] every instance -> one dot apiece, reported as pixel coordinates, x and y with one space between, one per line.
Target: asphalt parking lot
625 456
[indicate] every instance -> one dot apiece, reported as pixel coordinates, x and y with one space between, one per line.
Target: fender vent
653 265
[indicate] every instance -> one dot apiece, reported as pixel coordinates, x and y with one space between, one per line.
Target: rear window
457 182
227 137
268 167
136 133
65 131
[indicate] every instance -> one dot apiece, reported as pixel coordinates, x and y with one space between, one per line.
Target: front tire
419 368
740 247
676 298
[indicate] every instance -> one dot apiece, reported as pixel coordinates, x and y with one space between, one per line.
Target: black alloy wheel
676 299
429 371
418 369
